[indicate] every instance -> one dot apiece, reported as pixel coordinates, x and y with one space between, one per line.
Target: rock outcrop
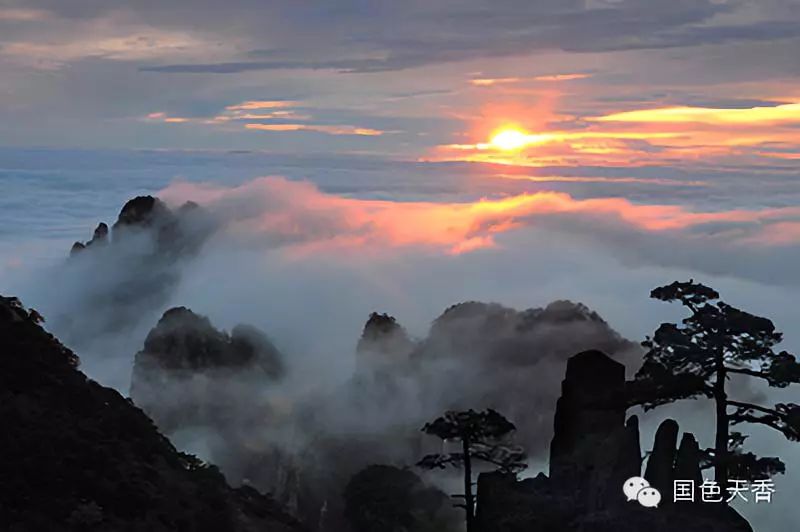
183 340
384 342
189 373
78 457
192 377
514 336
661 465
592 453
173 231
130 270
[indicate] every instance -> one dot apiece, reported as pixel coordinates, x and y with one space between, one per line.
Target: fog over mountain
328 403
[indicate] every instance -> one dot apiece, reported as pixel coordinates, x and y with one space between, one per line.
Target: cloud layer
274 212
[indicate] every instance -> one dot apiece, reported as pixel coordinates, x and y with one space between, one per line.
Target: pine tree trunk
722 437
469 503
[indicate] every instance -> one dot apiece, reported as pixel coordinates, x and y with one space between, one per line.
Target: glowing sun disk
509 139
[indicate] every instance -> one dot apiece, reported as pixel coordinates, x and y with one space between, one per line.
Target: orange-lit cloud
524 140
778 234
488 82
163 117
278 116
604 179
253 105
562 77
330 130
789 112
300 215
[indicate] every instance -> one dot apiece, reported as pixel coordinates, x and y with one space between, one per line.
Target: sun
509 139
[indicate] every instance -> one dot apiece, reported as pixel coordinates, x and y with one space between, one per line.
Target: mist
308 268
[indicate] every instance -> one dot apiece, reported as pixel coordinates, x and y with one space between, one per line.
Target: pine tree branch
750 406
772 423
783 418
750 372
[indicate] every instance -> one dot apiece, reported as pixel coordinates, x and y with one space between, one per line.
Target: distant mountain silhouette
188 371
78 457
174 232
191 376
493 354
132 268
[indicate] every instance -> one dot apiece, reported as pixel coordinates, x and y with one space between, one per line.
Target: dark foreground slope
75 455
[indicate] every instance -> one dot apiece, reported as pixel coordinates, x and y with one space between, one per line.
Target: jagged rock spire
661 464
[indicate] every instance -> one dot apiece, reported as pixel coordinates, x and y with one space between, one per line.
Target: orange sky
540 136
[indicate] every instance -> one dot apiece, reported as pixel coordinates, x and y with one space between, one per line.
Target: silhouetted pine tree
482 436
695 359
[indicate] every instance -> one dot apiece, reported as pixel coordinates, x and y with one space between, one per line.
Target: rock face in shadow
661 465
592 453
78 457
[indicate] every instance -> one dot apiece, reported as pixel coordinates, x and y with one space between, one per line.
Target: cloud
143 43
22 14
562 77
277 116
488 82
308 266
601 179
406 36
298 217
401 36
789 112
330 130
298 50
253 105
680 134
163 117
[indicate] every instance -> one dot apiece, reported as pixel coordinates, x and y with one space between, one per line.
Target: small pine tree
483 437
